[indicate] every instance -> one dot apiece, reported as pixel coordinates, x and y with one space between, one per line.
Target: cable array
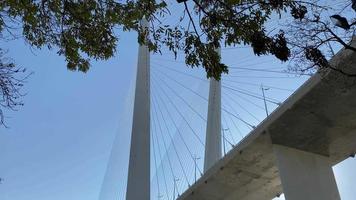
179 112
179 102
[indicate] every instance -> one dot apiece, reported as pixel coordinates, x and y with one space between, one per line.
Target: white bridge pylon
138 183
139 161
213 126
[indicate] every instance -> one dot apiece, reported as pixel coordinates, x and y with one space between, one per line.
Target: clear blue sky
58 145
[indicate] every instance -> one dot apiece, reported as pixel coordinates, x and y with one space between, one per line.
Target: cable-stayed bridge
222 149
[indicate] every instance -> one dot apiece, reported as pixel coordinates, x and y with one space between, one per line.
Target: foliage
78 29
12 79
246 22
230 23
82 30
314 37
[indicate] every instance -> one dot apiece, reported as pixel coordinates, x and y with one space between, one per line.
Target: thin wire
243 108
269 71
182 116
247 100
242 61
239 118
277 77
237 128
171 137
178 130
171 69
185 87
224 119
175 149
257 94
231 75
165 145
172 61
232 48
155 160
160 155
224 137
247 64
162 135
224 129
251 95
259 85
205 80
181 98
208 100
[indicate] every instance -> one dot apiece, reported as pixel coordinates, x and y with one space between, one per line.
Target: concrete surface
305 175
320 118
213 125
139 163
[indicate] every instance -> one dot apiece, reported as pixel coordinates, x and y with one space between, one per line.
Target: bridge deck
320 117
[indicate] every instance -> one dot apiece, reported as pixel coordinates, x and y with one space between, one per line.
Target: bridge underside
319 118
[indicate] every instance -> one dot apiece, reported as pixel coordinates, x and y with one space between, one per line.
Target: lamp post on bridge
175 187
195 166
138 183
264 98
224 139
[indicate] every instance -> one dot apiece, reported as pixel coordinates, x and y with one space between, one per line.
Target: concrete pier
305 175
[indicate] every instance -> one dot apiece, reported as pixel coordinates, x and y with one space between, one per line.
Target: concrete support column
213 128
138 184
304 175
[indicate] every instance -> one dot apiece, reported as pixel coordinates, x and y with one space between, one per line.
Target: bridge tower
138 184
213 127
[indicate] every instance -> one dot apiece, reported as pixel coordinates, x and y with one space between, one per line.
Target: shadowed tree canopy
82 30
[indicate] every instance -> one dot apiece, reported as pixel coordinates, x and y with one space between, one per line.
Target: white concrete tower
213 127
138 184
